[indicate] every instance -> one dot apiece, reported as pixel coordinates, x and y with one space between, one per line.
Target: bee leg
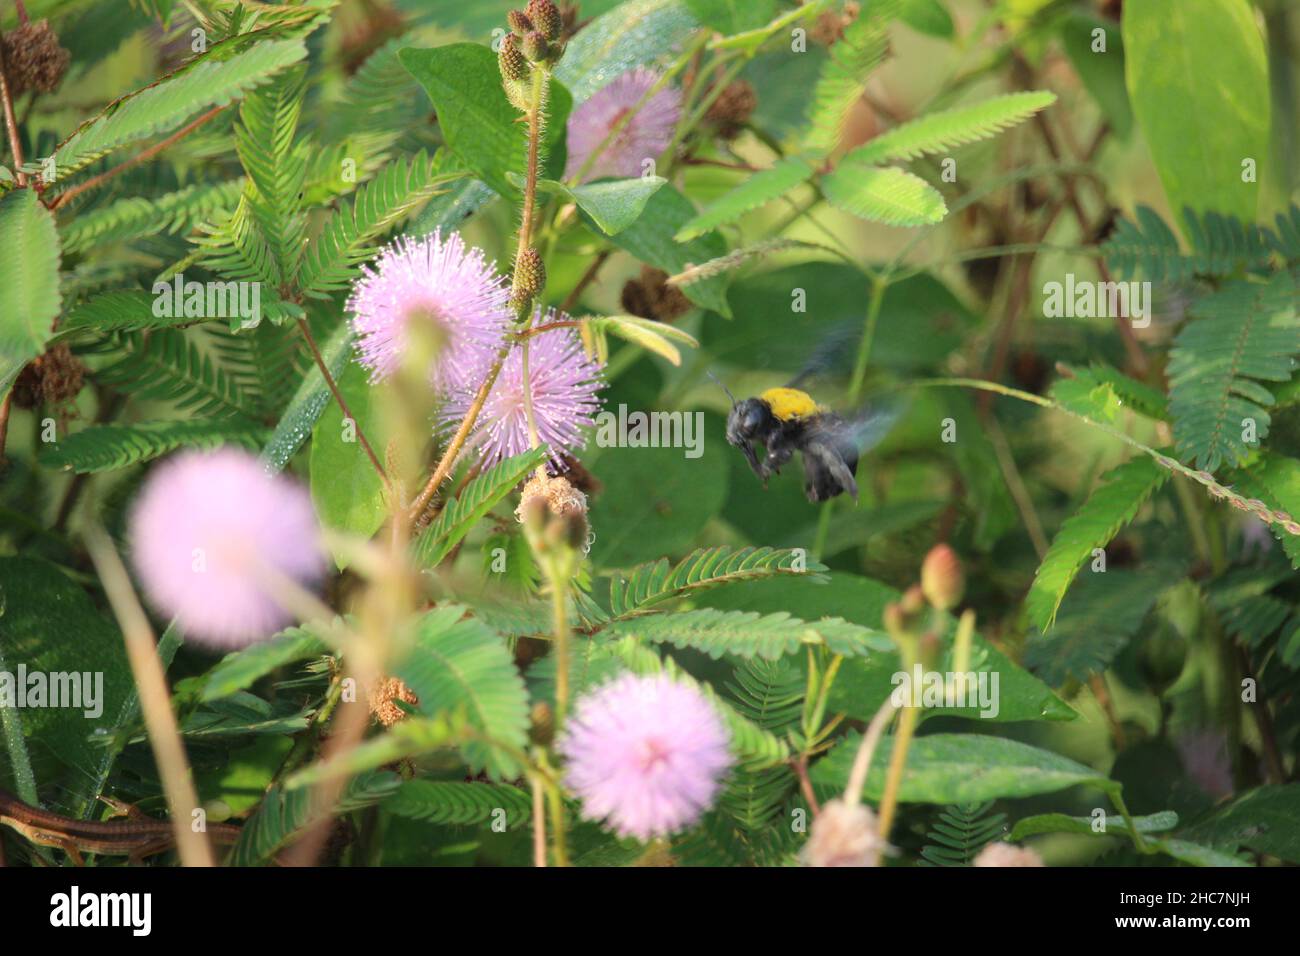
827 473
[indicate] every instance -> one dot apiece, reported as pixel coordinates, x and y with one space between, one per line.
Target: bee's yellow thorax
788 403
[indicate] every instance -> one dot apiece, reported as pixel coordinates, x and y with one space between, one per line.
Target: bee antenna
724 387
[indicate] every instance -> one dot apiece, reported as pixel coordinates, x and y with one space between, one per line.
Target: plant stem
155 702
866 750
11 123
560 623
143 156
338 397
897 758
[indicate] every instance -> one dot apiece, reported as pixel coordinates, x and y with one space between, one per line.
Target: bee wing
863 429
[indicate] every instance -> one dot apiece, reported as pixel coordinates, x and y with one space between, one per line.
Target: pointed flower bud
519 22
530 275
942 578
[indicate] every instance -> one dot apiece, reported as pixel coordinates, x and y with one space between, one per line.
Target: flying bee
785 420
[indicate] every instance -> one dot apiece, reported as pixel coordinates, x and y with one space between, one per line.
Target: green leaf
960 832
51 626
462 513
110 447
844 75
1160 822
613 205
959 768
944 131
888 195
732 16
633 34
119 311
283 813
29 281
480 125
1243 334
1198 128
137 216
927 16
650 334
650 239
214 79
452 803
308 402
1220 246
345 488
1109 508
1276 480
241 669
1265 820
347 237
1102 71
651 584
170 366
749 634
754 191
655 501
455 664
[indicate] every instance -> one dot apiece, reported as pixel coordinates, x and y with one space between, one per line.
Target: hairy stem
11 123
338 397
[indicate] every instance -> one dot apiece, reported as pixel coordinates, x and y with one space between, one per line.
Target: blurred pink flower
646 754
564 383
203 531
645 136
436 280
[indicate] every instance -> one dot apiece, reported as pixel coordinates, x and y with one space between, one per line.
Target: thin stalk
338 397
155 701
539 822
11 123
866 750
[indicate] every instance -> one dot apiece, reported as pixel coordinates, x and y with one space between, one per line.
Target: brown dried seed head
383 697
650 297
33 58
732 109
51 379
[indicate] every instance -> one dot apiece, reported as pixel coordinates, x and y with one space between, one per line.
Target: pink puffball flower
564 386
205 531
644 136
645 754
438 280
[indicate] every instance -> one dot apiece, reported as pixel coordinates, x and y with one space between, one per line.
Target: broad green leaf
650 239
480 125
1113 505
960 768
345 488
732 16
29 281
927 16
1101 70
308 402
239 670
50 626
654 502
463 512
212 80
888 195
458 664
754 191
1200 129
944 131
613 205
1112 826
635 33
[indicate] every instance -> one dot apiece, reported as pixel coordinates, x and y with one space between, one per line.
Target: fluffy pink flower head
644 136
204 531
646 754
564 387
437 280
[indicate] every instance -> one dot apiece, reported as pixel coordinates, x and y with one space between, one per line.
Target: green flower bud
530 276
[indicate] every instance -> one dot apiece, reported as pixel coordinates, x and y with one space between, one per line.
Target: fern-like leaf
750 634
884 194
348 236
457 663
944 131
1220 246
110 447
119 311
216 78
1111 506
137 216
460 804
459 515
1244 334
845 73
169 366
757 190
959 832
769 693
658 581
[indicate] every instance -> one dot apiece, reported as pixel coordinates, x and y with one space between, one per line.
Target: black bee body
786 420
